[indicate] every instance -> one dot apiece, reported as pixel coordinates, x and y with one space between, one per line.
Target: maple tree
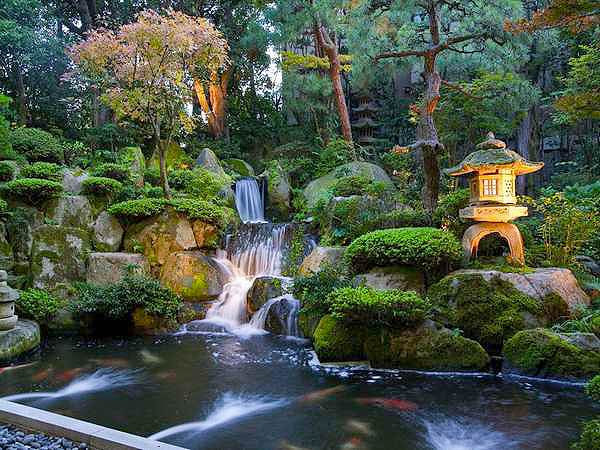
146 70
576 15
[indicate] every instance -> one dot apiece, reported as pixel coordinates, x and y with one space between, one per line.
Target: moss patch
543 353
336 341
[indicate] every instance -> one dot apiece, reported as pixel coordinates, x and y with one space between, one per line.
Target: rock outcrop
263 289
23 338
279 192
393 277
133 158
240 166
209 161
109 268
107 233
71 211
319 257
193 275
73 181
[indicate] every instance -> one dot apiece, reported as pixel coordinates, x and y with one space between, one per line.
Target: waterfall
286 310
257 250
249 201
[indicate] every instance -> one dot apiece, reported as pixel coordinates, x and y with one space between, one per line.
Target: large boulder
109 268
133 158
319 257
107 233
543 353
193 275
393 277
263 289
279 192
240 166
70 211
20 225
206 234
316 188
282 316
491 306
58 255
209 161
428 347
7 257
336 341
73 180
23 338
160 236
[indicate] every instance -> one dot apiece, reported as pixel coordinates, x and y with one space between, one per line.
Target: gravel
12 438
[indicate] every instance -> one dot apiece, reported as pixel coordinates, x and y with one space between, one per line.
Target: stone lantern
8 319
492 169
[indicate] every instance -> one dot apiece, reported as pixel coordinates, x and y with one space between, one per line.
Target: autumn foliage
576 15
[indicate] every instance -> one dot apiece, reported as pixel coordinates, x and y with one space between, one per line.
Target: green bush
446 213
588 322
3 206
153 192
205 184
181 178
137 209
118 301
38 305
36 145
101 186
402 218
152 176
6 148
32 190
590 436
335 153
313 290
7 171
42 170
351 185
593 388
203 210
428 248
392 308
111 170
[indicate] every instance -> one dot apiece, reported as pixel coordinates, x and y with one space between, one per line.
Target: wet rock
58 255
70 211
319 257
206 234
589 264
240 166
19 228
393 277
73 180
263 289
316 188
133 158
109 268
193 275
282 317
336 341
24 337
107 233
7 257
160 236
279 194
545 354
209 161
428 347
148 324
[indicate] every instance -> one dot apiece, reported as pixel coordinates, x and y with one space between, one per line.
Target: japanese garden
300 224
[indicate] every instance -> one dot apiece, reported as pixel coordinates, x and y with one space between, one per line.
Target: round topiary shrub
181 178
101 186
202 210
138 209
427 248
42 170
36 145
7 171
32 190
392 308
111 170
152 176
38 305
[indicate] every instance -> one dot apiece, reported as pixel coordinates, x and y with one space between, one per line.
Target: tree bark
23 110
162 162
214 105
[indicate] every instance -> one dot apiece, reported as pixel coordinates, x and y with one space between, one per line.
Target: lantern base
508 231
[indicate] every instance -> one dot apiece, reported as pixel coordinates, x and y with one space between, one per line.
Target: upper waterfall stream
249 200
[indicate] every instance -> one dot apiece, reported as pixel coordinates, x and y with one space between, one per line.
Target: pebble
12 438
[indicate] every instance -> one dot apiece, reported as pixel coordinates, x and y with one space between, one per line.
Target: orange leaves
575 15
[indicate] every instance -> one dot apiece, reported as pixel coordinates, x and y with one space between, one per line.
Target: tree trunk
22 109
214 106
162 162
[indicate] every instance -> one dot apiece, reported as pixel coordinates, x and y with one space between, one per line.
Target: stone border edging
96 436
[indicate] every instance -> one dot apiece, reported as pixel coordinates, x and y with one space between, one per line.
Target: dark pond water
224 392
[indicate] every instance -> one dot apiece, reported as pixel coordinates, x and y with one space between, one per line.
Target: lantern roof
491 154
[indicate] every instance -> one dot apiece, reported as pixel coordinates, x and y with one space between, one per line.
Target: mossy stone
308 322
240 166
336 341
23 338
543 353
425 348
489 312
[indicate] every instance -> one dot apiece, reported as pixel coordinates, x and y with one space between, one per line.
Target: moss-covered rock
262 289
70 211
58 255
308 320
394 277
23 338
489 311
73 179
20 225
319 257
240 167
317 188
107 233
543 353
193 275
209 161
336 341
7 257
426 348
279 193
110 268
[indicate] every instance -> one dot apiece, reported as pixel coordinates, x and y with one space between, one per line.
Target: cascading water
249 201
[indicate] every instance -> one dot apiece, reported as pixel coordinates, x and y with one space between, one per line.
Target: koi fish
354 443
150 358
389 403
319 395
111 362
285 445
21 366
41 376
68 375
359 427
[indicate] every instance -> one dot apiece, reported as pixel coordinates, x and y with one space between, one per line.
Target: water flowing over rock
278 315
108 233
108 268
319 257
249 200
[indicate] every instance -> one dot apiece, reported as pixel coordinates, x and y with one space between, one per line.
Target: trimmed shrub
152 176
351 185
138 209
38 305
590 436
111 170
36 145
205 211
3 206
32 190
42 170
7 171
392 308
117 301
428 248
313 290
206 185
181 178
101 186
6 148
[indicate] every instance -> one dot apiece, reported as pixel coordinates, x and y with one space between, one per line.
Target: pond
220 391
